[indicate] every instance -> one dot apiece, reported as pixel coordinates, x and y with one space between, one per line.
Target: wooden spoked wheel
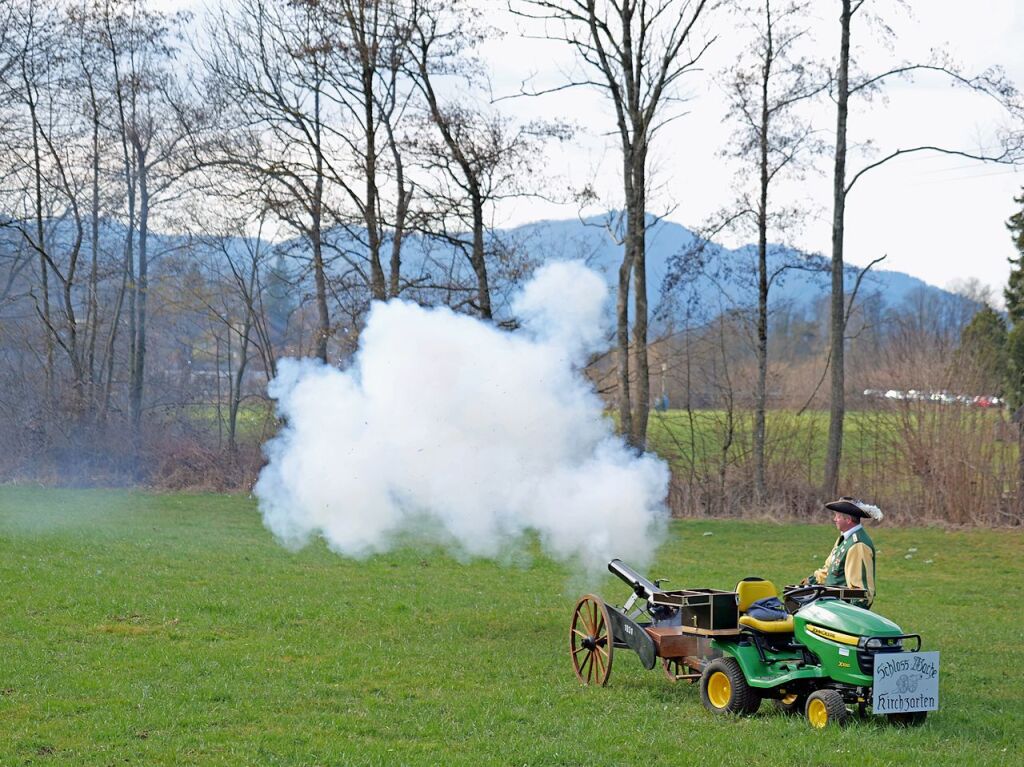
677 671
591 642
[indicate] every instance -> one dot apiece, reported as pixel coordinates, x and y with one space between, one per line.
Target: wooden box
706 609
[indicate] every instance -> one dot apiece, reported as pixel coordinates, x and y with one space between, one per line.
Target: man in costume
852 561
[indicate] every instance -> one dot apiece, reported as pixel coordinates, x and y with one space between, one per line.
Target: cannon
674 627
820 656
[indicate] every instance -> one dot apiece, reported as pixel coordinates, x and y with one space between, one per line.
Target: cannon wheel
591 642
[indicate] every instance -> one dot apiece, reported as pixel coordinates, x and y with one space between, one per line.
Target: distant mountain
713 278
682 278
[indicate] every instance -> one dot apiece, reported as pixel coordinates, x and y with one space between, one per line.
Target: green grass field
173 630
867 435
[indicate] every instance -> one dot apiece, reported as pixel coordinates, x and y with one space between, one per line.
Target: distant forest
185 201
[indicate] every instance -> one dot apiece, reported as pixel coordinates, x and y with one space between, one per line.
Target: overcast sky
936 217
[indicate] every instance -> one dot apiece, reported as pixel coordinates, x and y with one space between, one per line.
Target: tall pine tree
1014 292
983 348
1014 295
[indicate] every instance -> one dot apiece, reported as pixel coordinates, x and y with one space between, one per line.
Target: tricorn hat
855 508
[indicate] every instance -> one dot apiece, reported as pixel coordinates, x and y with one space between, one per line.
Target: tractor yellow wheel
719 689
724 689
825 708
790 704
817 714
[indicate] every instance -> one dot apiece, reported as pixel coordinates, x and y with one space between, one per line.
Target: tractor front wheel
825 708
724 689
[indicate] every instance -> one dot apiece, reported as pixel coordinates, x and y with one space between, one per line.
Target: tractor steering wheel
804 595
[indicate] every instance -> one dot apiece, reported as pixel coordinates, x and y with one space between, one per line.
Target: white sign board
905 682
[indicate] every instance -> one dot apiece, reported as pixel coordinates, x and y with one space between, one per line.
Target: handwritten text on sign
906 681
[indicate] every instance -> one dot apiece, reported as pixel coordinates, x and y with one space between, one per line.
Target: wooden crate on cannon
702 611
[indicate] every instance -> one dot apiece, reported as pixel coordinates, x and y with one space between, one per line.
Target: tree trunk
837 405
108 352
761 393
128 286
138 372
402 210
236 396
44 275
622 341
642 397
730 422
243 362
319 277
479 262
92 313
319 272
378 286
1020 469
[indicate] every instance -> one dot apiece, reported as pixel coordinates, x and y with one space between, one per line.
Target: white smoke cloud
446 423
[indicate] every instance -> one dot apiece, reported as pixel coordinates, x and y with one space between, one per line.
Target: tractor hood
846 618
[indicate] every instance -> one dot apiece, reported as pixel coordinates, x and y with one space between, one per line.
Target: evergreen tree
1014 292
1015 367
983 345
1014 295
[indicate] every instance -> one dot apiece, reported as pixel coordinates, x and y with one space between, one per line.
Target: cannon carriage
816 657
673 627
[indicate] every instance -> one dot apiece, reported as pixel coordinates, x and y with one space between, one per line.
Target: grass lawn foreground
171 629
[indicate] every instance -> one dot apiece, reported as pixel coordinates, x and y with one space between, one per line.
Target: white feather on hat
872 511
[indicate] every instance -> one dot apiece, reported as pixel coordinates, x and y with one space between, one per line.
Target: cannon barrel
642 587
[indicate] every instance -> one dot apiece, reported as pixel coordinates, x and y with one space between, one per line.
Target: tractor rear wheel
591 643
724 689
790 704
825 708
909 719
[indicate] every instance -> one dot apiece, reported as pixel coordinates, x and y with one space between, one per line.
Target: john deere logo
835 636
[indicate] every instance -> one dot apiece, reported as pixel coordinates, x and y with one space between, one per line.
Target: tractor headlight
879 643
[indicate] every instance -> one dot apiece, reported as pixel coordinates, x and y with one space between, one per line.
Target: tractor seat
748 591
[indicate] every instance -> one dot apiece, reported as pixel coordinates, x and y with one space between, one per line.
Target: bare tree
50 159
635 52
92 72
27 85
772 140
232 292
369 48
991 84
311 93
149 106
475 155
266 73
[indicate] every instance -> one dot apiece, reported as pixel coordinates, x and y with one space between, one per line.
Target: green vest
835 566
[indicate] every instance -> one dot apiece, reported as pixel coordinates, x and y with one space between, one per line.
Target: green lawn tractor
823 658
